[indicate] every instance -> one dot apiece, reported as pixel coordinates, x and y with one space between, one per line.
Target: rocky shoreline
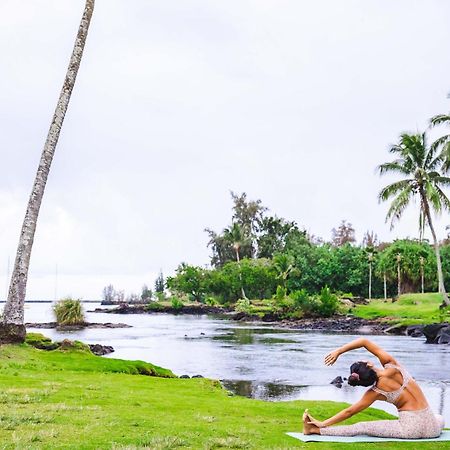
345 324
50 325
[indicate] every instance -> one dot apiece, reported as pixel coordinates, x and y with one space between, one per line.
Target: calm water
254 360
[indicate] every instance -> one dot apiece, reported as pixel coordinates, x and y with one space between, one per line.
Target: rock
431 332
100 350
347 302
398 330
185 376
414 330
338 381
443 336
356 300
198 376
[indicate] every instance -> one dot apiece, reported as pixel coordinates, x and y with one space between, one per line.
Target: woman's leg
379 428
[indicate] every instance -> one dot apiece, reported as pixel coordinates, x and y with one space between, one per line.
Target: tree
423 169
247 213
284 265
273 233
189 280
159 283
237 236
370 240
108 294
12 328
146 293
344 234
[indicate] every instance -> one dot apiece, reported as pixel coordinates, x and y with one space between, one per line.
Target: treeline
259 252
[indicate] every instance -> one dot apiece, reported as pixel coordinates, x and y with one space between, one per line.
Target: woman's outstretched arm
370 346
366 400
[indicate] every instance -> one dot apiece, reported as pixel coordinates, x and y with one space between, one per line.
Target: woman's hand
315 422
332 357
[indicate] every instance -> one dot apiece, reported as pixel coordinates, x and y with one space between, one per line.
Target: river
256 360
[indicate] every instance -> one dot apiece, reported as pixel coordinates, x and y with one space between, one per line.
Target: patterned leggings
410 425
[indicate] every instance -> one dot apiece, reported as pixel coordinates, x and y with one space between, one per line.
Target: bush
211 301
243 305
328 303
177 303
69 311
303 301
154 306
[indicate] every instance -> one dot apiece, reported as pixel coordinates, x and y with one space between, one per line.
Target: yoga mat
445 436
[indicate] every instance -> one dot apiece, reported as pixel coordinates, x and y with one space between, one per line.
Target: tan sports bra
392 396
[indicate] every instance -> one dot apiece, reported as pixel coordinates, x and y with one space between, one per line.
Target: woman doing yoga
391 383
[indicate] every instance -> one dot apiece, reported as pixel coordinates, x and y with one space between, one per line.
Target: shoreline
343 324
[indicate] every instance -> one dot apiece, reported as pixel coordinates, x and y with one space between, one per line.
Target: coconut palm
238 236
12 328
424 168
284 265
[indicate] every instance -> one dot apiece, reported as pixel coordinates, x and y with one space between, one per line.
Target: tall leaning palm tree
238 236
12 327
424 168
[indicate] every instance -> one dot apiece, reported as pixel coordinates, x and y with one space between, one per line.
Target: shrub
177 303
243 305
69 311
211 301
328 303
303 301
154 306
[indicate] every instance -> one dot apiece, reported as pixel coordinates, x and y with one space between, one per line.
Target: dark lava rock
100 350
198 376
398 330
185 376
432 332
414 330
338 381
443 336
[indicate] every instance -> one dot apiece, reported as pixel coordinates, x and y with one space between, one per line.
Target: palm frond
396 166
444 199
394 189
399 205
439 119
432 196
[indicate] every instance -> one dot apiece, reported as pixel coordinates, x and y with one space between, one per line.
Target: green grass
409 309
70 399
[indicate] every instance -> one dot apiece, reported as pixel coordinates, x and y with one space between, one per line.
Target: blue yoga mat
445 436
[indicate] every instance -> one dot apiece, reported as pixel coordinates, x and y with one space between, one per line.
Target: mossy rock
38 340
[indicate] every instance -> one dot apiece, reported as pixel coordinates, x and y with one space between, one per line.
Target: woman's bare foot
309 428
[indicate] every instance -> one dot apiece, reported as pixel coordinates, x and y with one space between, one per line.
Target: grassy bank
68 398
409 309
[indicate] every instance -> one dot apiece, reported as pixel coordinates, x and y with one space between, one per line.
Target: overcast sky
178 102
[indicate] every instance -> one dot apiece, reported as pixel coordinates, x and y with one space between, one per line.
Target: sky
177 103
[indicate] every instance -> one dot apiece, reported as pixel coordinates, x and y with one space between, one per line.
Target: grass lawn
409 309
70 399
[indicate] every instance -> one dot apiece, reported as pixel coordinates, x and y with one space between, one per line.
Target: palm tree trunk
385 285
445 300
12 328
370 281
240 274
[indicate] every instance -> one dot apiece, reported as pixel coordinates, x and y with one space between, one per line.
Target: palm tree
424 169
12 327
238 236
284 265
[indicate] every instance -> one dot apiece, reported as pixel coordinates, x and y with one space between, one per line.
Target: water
259 361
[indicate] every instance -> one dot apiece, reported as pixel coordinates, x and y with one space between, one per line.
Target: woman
391 383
